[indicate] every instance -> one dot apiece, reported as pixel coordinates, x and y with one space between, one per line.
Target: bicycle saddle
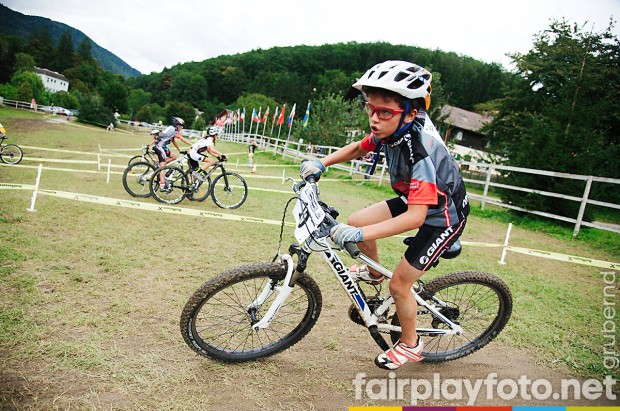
452 252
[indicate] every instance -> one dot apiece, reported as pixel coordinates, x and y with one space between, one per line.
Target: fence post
501 261
486 185
383 167
36 189
109 166
582 208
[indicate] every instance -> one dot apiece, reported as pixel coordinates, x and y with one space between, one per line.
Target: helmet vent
400 76
417 83
383 73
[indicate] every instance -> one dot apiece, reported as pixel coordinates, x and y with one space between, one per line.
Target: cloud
152 35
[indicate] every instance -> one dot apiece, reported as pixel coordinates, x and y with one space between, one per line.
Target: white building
52 81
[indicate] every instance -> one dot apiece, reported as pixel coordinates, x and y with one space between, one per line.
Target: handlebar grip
352 249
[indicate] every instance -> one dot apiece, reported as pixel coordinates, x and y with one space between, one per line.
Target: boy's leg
406 306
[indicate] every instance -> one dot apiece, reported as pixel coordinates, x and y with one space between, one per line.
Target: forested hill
289 74
21 25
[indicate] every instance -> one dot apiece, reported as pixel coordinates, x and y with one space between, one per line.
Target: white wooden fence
299 151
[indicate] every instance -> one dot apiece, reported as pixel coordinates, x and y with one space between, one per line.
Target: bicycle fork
283 292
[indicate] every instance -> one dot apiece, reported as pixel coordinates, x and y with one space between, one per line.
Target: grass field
90 295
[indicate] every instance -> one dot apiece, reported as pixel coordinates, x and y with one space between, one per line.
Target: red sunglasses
383 113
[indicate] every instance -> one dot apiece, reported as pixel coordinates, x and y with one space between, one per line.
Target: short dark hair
417 103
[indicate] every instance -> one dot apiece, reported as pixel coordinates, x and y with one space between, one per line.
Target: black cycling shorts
430 242
162 153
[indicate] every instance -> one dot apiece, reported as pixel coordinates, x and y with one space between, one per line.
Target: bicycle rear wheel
135 159
229 190
136 179
479 302
217 321
201 192
176 185
11 154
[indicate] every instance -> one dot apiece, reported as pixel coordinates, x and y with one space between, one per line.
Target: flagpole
274 121
243 124
265 122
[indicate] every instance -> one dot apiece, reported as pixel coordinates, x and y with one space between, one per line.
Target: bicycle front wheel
136 179
11 154
217 320
479 302
176 185
229 190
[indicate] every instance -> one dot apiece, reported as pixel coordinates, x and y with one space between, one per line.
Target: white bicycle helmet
213 130
155 132
407 79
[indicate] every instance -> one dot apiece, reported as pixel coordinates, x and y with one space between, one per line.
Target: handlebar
330 214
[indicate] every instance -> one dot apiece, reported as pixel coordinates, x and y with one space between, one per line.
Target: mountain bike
10 153
148 156
137 176
258 310
228 190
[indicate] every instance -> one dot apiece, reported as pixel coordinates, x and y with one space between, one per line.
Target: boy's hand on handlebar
343 233
311 169
223 157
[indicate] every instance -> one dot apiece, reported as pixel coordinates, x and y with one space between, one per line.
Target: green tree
562 115
137 99
85 51
180 109
93 110
114 95
29 85
10 46
40 45
330 118
65 54
24 62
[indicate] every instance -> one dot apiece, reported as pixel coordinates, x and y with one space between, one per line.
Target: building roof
466 120
51 73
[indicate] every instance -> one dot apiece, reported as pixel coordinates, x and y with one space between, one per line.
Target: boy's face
385 128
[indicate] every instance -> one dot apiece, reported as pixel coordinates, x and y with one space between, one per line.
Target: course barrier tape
138 205
231 217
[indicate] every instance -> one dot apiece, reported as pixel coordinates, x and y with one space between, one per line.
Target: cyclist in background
197 156
2 132
430 193
169 135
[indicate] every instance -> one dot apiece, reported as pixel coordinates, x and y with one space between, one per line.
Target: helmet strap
401 128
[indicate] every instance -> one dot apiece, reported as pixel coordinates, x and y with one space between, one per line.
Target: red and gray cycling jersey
422 171
166 137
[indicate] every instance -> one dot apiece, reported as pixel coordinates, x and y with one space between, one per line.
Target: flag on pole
289 122
266 115
242 115
253 114
281 118
304 123
257 118
275 115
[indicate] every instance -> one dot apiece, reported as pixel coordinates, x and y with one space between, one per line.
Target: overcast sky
153 34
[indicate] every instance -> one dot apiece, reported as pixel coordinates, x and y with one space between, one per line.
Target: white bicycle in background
257 310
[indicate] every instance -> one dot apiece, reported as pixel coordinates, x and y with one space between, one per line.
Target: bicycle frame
319 242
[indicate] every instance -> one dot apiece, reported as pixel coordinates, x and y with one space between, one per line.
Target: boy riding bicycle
431 196
169 135
206 143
